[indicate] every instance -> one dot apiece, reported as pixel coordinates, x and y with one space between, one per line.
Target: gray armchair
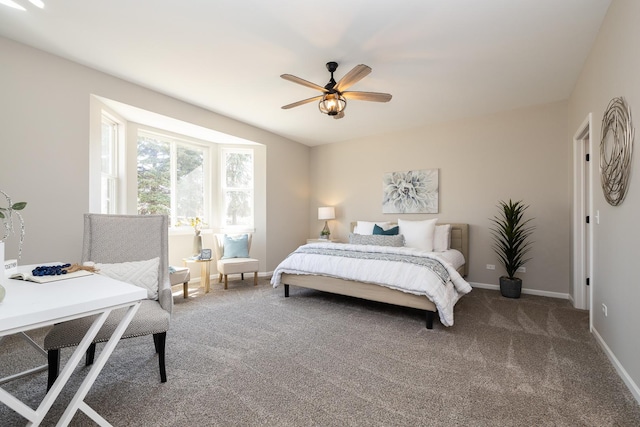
114 239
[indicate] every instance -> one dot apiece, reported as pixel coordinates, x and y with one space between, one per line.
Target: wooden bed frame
373 292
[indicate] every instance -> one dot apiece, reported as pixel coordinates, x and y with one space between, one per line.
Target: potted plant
511 233
6 216
8 228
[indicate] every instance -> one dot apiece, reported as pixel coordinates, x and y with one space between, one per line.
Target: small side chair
232 257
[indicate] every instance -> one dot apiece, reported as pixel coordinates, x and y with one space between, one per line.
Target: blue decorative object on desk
50 270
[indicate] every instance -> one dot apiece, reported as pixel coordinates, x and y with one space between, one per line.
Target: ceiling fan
334 95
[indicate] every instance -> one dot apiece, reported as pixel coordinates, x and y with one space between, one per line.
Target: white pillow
442 238
418 234
139 273
366 227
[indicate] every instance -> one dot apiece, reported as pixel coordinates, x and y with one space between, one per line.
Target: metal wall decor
616 147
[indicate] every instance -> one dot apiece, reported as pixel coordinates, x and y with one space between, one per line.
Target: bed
299 270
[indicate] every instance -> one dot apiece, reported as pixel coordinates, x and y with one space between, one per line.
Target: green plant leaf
19 206
511 233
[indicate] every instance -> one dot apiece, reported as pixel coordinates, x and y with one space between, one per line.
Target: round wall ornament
616 147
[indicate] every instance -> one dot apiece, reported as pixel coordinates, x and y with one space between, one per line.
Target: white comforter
406 277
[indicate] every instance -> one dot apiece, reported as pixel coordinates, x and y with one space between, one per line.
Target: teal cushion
381 231
236 247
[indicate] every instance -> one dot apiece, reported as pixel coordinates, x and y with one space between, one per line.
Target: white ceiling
440 59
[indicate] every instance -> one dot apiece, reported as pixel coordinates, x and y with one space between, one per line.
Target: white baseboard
524 290
628 381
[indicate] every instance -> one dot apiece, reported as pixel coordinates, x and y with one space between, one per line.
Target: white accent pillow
418 234
366 227
442 238
139 273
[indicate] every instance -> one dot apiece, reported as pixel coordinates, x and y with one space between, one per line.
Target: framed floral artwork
410 192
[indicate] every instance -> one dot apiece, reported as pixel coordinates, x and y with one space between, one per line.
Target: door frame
582 249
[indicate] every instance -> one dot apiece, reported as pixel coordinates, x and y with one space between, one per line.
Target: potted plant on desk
511 234
8 228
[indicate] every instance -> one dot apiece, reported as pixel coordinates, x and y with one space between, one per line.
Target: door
587 224
582 235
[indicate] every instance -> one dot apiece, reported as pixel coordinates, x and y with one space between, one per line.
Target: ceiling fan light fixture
332 104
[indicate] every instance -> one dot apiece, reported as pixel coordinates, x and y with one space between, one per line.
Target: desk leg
36 417
78 399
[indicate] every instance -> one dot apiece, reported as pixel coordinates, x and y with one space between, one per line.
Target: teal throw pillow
236 247
381 231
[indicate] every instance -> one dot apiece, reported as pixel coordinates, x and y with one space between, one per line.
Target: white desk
29 305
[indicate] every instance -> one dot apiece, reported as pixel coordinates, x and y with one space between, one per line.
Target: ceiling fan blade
368 96
303 82
356 74
304 101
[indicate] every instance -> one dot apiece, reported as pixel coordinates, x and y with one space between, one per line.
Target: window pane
189 182
108 205
238 207
239 170
238 188
154 176
108 147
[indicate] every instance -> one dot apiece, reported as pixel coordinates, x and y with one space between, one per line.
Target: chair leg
226 281
159 341
90 355
185 290
255 278
220 278
156 344
241 276
53 357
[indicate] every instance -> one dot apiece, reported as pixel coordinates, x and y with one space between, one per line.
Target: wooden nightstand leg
255 278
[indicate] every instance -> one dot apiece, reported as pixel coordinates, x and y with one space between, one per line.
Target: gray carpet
248 356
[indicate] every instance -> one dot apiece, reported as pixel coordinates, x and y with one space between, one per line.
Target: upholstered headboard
459 240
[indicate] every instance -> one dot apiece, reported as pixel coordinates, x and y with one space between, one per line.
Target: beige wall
518 154
613 70
44 155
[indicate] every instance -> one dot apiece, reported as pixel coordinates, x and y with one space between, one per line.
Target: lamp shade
327 212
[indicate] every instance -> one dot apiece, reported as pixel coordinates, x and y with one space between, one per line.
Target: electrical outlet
604 310
522 270
491 267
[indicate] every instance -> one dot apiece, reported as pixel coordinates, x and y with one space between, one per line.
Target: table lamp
326 213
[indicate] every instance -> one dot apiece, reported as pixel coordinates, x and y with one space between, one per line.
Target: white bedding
406 277
453 257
